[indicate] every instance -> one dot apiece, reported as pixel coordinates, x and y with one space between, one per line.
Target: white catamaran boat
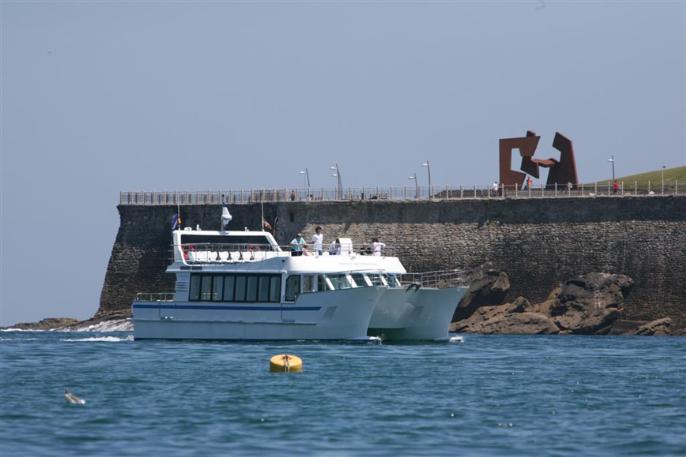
240 285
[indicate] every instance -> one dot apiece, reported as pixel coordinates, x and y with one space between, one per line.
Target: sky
102 97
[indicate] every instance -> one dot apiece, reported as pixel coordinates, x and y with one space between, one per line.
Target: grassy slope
671 174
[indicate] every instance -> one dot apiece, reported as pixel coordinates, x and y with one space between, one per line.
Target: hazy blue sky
102 97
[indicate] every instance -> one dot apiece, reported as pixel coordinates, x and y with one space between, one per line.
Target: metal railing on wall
237 197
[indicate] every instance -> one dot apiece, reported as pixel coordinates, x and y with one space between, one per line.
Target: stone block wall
538 242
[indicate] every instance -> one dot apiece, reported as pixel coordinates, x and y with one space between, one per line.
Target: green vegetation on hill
654 177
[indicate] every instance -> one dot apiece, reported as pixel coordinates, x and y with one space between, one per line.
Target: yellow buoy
285 363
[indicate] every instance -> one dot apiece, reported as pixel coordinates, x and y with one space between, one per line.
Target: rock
591 303
513 318
656 327
487 287
586 304
520 305
46 324
510 323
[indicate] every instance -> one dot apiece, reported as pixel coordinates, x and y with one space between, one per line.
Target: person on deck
377 247
297 245
318 241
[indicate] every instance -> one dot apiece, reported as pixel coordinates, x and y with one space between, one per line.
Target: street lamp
662 176
427 164
416 185
339 181
306 176
612 161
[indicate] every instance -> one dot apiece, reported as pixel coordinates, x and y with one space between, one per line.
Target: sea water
490 395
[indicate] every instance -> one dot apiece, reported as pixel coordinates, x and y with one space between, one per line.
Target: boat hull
407 314
331 315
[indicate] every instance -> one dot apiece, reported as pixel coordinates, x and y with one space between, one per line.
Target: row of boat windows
236 288
266 288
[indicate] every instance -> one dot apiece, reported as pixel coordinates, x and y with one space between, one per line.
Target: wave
99 339
19 330
116 325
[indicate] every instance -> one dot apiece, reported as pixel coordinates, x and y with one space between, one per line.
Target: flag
176 222
226 217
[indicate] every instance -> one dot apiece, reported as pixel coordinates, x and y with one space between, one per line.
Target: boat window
339 281
251 289
259 288
229 282
275 289
206 288
393 280
359 280
323 284
240 288
263 289
217 288
292 287
195 288
376 280
309 283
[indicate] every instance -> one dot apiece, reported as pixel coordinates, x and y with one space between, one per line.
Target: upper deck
255 250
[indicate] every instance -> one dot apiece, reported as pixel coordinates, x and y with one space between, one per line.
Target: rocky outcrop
487 287
586 304
516 318
590 303
656 327
49 323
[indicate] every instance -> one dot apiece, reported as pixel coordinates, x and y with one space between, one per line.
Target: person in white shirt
318 241
377 246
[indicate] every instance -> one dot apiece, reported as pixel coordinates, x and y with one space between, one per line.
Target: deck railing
155 296
237 197
439 278
202 253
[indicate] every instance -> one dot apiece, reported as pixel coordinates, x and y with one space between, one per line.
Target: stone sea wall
538 242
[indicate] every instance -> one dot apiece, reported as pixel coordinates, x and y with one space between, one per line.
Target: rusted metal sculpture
562 171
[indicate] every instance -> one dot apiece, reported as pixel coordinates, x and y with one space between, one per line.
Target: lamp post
427 164
416 185
337 175
612 161
306 176
662 178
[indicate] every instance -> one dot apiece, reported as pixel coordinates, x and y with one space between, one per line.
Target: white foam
99 339
19 330
117 325
456 339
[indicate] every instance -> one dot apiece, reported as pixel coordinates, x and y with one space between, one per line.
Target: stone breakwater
539 243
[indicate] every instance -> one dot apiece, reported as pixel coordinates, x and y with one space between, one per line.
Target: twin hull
346 314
